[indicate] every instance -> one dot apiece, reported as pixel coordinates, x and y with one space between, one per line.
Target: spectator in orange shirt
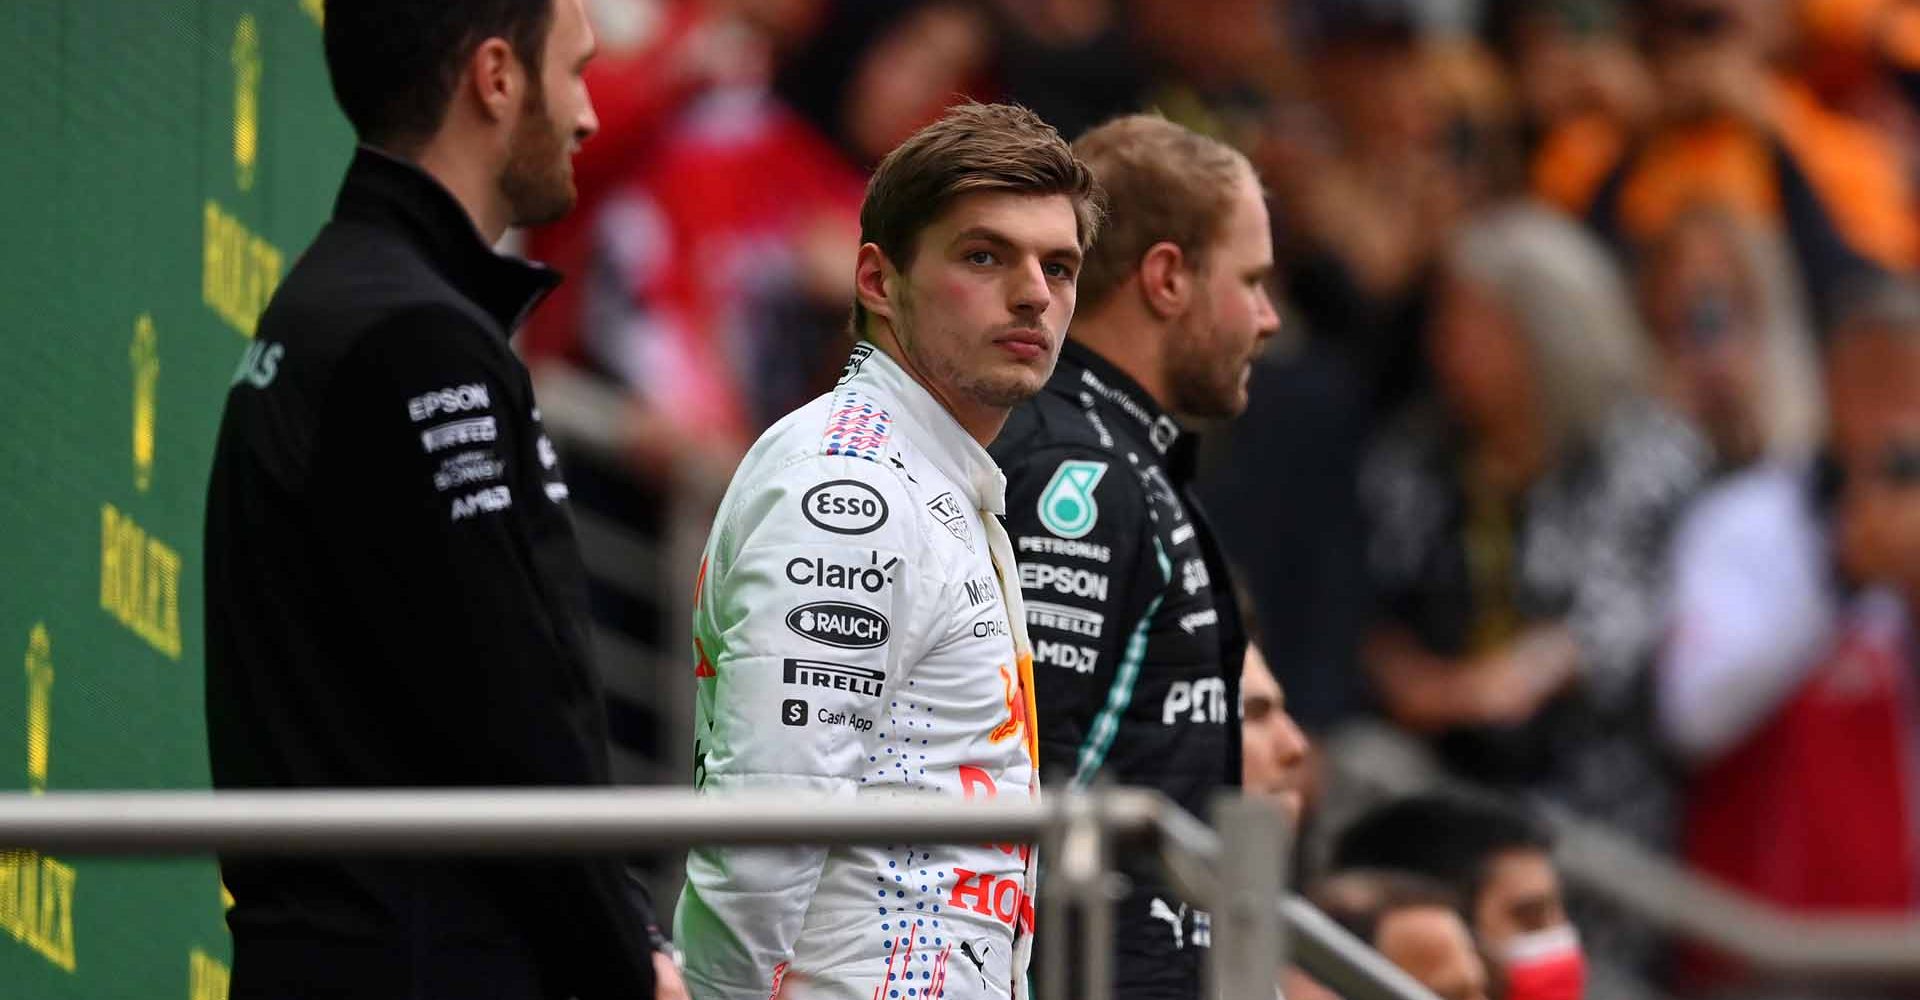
1735 129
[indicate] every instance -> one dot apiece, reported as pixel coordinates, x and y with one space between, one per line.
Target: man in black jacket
1137 640
394 594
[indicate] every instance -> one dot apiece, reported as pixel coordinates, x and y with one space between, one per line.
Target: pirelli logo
834 677
478 430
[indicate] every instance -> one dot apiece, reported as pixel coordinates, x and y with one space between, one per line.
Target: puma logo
1159 910
978 958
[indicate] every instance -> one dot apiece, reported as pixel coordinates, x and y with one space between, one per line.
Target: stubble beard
538 180
1201 383
982 388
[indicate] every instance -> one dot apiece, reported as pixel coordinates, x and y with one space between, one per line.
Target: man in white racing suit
858 627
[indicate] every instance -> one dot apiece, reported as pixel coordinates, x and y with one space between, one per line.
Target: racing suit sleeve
806 618
436 461
1090 574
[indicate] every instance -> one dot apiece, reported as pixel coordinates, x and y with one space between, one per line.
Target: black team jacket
395 599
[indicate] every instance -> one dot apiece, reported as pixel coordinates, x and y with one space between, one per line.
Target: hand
1520 677
1714 82
667 984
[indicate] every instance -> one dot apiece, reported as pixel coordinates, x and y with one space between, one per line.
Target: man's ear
1166 284
874 277
496 78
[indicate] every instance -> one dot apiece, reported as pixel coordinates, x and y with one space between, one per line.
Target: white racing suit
854 637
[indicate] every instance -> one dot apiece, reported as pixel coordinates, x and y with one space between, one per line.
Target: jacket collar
393 194
1081 370
938 437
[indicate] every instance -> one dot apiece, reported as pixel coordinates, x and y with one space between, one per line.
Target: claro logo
836 623
840 576
844 507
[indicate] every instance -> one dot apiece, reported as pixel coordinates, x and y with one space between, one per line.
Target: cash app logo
1067 507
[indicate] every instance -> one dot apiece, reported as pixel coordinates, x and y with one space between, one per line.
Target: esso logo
844 507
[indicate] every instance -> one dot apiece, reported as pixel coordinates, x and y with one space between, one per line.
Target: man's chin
1008 389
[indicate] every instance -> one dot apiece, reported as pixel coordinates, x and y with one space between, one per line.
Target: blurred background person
1518 524
1793 650
1568 62
1737 125
1499 862
1734 349
1414 921
1275 756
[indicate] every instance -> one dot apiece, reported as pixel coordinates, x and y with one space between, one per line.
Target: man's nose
1268 318
1029 292
1293 743
587 124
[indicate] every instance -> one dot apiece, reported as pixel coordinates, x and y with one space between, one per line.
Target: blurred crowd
1588 459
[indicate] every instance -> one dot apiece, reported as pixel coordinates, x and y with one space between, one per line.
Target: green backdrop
161 163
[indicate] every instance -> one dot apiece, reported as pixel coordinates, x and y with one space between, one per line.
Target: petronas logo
1067 507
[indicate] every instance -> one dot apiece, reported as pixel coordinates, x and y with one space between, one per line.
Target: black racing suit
1137 640
395 599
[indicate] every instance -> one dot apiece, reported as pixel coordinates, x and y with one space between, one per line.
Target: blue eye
980 257
1061 271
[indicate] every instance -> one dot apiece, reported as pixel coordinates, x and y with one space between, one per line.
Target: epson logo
844 507
454 399
838 576
836 623
834 677
1074 582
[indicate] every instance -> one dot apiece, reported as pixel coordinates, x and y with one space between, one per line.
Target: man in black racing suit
1137 640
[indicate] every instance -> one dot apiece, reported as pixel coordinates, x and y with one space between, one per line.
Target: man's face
1431 944
1874 396
1705 323
981 312
1210 356
1274 761
557 118
1519 895
1480 356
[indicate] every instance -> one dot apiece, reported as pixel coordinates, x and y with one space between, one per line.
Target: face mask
1547 965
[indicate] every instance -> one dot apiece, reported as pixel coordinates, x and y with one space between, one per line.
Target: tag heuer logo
1067 507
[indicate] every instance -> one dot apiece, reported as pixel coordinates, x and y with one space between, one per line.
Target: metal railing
1235 872
1778 944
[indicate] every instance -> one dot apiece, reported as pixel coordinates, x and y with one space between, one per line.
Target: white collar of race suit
938 437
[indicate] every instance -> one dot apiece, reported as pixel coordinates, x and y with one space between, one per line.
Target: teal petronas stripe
1093 753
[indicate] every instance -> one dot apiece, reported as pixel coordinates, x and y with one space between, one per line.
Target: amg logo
981 590
490 500
834 677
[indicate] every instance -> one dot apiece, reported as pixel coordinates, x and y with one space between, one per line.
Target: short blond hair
1166 184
